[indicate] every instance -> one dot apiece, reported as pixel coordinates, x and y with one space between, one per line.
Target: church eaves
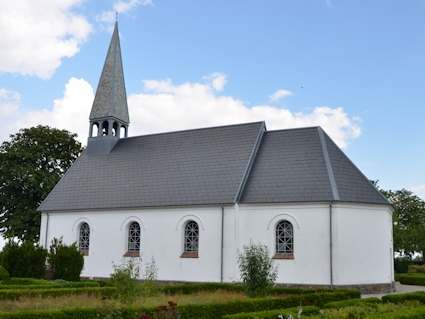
111 98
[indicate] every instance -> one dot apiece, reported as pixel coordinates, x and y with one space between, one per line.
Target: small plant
108 311
164 312
125 278
257 269
150 277
67 262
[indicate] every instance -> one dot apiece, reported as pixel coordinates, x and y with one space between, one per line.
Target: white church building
192 199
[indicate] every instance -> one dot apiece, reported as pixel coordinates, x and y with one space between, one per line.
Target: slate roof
290 166
111 98
208 166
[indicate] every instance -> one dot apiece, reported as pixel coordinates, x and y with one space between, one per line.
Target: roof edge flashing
250 162
328 164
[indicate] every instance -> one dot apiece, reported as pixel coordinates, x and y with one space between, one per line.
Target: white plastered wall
362 244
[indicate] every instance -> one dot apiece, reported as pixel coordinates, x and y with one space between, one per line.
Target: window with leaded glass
133 248
284 240
191 240
84 241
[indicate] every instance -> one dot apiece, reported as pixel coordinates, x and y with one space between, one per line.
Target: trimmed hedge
417 279
80 284
27 281
188 289
398 298
205 311
415 313
272 314
352 302
15 294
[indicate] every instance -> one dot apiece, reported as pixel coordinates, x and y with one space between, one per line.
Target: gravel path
399 289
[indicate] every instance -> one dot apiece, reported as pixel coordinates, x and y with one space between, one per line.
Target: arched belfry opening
109 119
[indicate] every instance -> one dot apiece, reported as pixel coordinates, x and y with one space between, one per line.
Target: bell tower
109 118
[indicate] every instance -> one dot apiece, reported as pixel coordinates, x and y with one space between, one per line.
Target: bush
352 302
257 270
417 279
401 264
273 314
150 279
125 278
4 274
66 261
27 260
419 269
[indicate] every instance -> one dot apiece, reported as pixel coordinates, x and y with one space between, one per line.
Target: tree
257 269
31 164
66 261
408 221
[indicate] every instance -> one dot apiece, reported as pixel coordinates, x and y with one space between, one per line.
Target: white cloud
9 103
165 107
418 190
279 95
122 6
218 80
36 35
71 112
168 107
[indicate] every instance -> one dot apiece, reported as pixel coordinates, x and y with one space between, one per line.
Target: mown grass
85 301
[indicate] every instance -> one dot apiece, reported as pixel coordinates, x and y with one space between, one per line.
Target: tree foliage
257 269
25 260
408 221
31 164
66 261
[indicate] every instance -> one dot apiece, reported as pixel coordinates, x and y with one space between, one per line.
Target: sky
355 68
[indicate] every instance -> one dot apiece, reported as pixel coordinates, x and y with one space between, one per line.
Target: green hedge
27 281
188 289
398 298
80 284
272 314
15 294
205 311
415 313
417 279
352 302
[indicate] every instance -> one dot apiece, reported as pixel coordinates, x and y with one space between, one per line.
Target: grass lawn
84 301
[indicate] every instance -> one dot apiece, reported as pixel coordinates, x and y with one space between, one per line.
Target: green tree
31 164
408 221
257 269
66 261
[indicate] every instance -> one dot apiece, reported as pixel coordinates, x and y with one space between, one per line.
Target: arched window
133 247
191 240
284 240
84 240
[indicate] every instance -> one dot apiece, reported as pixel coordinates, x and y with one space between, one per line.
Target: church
192 199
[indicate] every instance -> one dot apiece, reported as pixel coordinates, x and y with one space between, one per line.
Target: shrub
401 264
4 274
257 270
353 302
66 261
150 277
419 269
27 260
417 279
125 278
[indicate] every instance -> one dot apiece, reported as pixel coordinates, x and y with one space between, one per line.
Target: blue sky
356 68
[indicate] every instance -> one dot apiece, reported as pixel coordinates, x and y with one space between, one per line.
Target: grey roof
195 167
210 166
111 98
291 166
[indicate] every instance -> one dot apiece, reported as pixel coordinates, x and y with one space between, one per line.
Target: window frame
190 240
284 235
84 242
133 237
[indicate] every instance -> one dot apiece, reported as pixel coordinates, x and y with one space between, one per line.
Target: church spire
109 113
